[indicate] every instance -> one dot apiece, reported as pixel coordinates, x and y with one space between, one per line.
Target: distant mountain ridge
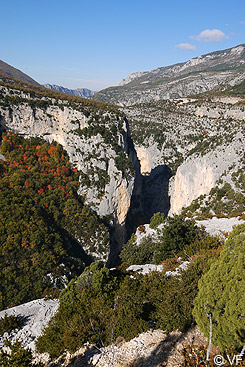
204 73
80 92
15 73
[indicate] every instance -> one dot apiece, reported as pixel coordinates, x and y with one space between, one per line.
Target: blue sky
95 43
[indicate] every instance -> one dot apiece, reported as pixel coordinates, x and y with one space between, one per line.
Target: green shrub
97 307
176 234
206 242
9 323
156 220
141 254
17 356
172 298
171 240
85 307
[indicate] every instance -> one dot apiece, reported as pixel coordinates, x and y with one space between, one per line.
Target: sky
96 43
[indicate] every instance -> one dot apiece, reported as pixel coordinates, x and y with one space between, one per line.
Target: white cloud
186 46
210 35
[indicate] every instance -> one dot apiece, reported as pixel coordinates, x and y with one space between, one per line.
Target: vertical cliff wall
198 175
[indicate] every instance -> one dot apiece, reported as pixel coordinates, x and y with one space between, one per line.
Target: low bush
17 356
9 323
175 236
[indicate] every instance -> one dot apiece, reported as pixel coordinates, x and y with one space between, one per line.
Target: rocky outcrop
35 316
152 348
220 226
148 268
131 77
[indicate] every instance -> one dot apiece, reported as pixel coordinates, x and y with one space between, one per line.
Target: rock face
35 316
132 77
80 92
197 176
197 75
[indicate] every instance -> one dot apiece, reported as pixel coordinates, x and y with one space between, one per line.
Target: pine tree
222 289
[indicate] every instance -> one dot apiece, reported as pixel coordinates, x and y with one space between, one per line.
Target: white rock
35 315
217 226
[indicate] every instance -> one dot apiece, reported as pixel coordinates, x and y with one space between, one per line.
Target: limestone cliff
198 139
96 139
197 176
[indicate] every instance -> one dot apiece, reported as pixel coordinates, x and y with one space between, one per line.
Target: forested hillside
44 225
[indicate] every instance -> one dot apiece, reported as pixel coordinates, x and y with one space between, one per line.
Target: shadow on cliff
151 195
155 191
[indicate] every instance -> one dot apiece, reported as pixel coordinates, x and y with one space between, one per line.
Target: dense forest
42 221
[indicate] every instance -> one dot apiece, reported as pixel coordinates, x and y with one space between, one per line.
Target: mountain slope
15 73
80 92
195 76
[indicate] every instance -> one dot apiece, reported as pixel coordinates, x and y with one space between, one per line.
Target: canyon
138 160
163 148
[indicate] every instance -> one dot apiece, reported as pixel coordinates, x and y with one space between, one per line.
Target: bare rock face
35 316
132 77
192 180
197 176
